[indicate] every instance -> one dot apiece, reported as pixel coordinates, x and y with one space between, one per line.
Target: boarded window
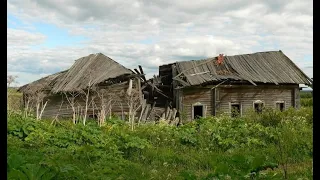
235 109
280 106
258 106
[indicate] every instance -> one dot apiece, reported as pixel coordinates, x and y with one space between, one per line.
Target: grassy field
266 146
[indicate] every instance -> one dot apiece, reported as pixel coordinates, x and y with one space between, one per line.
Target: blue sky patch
14 22
308 57
55 36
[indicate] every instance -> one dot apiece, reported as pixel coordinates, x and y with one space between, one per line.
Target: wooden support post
129 88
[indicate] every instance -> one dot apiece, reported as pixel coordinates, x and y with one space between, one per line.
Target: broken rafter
136 70
207 61
198 73
219 84
141 72
181 81
158 90
157 79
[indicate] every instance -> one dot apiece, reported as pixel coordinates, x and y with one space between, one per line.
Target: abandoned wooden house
233 84
95 85
99 87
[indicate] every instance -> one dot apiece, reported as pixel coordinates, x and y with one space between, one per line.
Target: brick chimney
220 59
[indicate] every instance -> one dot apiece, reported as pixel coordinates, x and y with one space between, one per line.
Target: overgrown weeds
265 146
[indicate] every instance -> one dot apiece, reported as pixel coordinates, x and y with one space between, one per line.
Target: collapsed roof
45 83
86 71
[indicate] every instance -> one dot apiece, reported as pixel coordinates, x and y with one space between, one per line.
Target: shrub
213 147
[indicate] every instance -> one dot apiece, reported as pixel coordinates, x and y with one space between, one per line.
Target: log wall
219 99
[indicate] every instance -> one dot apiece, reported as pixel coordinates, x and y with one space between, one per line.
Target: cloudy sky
45 36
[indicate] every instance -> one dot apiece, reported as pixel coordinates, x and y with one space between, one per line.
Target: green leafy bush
253 146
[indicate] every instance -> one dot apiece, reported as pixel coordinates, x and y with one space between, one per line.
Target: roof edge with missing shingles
265 67
90 70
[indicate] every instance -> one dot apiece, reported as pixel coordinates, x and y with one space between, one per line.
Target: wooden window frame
284 104
235 103
204 110
258 102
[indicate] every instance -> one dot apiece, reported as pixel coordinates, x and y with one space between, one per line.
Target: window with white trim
235 109
258 106
198 110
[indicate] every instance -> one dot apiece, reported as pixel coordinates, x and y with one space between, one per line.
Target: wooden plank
143 107
167 112
139 90
151 109
169 115
163 115
174 113
136 70
181 81
141 72
145 114
190 68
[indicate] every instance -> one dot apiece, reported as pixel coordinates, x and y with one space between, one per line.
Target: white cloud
172 31
16 37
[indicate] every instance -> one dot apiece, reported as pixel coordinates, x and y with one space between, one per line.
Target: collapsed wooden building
94 86
233 84
99 87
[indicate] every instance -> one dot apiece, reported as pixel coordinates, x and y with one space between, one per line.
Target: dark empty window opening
235 110
280 106
197 111
258 107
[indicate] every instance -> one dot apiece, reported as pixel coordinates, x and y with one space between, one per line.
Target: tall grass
214 147
271 145
14 101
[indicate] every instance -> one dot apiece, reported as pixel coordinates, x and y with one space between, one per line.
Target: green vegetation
218 147
270 145
14 99
306 98
305 94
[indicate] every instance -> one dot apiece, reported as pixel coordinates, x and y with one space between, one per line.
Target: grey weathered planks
266 67
219 99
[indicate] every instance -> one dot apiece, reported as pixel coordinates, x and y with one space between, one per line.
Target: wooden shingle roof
265 67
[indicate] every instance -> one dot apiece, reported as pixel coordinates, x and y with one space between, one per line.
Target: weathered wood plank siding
197 95
54 103
58 103
218 100
296 95
247 95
